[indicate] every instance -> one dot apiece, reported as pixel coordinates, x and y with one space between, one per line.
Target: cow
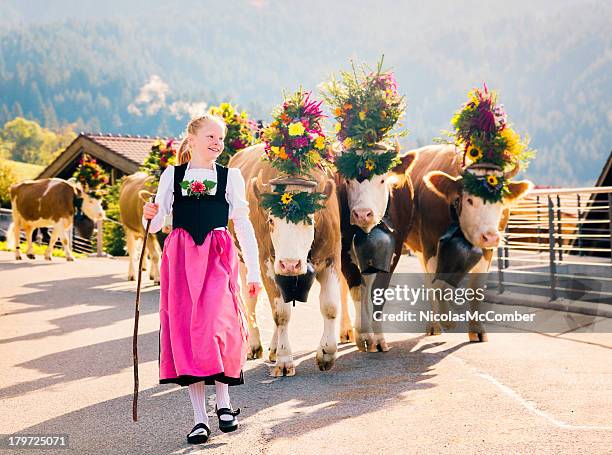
285 249
49 203
135 190
384 198
437 186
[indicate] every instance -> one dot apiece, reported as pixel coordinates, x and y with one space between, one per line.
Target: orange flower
348 106
285 118
338 112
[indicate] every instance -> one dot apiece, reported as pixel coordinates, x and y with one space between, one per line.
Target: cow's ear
78 189
407 162
517 191
444 185
330 186
257 184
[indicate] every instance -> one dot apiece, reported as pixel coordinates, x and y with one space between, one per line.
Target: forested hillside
138 67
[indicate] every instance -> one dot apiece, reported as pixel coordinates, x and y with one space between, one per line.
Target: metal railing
558 244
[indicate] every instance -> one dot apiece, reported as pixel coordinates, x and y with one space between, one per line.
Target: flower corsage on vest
197 188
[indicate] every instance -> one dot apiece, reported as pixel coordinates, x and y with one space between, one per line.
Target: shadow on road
360 383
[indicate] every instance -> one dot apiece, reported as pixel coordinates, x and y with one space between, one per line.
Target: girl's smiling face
207 142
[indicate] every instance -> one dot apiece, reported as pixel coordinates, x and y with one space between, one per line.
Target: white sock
197 394
223 399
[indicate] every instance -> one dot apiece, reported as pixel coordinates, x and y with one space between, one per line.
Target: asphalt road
65 357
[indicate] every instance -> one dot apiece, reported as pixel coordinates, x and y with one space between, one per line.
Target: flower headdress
295 141
367 107
240 130
90 174
162 155
491 149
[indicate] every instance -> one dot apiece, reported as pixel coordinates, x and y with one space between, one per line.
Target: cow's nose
489 239
363 215
290 265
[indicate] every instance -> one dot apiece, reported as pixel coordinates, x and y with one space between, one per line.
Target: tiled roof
134 148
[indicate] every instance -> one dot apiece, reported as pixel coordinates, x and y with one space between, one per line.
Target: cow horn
397 145
261 186
515 170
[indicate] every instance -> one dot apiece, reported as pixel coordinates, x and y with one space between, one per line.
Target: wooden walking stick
136 316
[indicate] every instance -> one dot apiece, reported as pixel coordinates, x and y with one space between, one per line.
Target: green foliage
365 165
240 130
7 178
488 187
39 250
295 206
26 141
113 237
24 171
366 106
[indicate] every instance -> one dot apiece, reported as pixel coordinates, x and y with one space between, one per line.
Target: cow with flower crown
294 212
463 192
375 190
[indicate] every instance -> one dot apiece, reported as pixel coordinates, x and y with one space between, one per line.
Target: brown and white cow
437 185
135 190
363 204
284 249
48 203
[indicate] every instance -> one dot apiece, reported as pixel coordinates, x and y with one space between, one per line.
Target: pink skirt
203 333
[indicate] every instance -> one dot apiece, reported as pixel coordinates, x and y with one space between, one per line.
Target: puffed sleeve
164 197
239 213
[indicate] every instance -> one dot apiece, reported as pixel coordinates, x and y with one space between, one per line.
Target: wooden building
118 155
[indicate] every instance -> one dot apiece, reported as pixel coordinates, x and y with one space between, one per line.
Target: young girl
203 329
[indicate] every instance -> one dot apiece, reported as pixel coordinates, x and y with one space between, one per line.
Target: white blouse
238 210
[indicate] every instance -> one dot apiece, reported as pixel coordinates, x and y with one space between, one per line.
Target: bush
114 236
7 178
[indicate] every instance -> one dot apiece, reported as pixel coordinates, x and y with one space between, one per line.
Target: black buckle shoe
198 434
227 426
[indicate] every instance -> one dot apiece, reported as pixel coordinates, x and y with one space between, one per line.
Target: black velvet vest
199 216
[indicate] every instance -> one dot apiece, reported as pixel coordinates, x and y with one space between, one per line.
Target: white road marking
529 405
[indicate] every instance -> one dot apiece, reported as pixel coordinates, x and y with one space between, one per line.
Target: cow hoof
70 259
434 329
381 344
156 282
131 278
476 337
325 360
347 336
31 256
48 258
256 352
18 258
283 369
272 355
365 342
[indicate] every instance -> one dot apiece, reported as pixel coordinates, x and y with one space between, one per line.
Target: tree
7 178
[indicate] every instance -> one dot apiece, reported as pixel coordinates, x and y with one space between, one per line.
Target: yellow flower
282 154
314 156
492 180
320 143
275 149
286 198
514 146
347 143
369 165
296 129
362 115
337 127
474 153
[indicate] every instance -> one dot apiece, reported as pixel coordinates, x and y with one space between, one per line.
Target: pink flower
197 187
300 142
